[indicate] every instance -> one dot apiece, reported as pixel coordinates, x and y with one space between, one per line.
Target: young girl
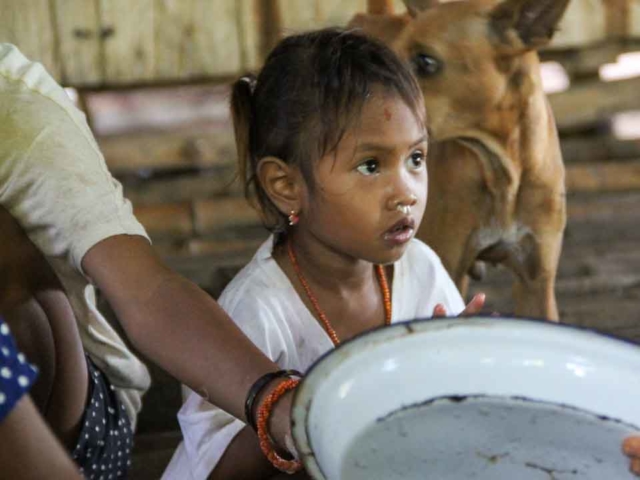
332 141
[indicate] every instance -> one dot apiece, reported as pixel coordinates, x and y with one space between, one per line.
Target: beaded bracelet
257 388
266 445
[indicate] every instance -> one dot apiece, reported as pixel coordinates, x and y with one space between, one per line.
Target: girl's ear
282 183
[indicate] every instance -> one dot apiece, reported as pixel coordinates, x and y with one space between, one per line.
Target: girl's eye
416 160
369 167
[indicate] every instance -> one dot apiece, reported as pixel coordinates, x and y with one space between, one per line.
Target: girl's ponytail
242 113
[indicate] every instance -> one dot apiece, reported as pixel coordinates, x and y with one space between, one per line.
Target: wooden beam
251 26
218 251
173 220
598 148
187 220
588 59
617 19
128 40
590 102
162 151
196 39
621 206
225 213
80 39
634 20
213 182
603 177
583 24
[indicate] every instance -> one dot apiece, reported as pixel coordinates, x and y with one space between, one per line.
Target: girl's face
362 190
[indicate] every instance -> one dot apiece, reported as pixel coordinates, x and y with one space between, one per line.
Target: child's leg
46 332
40 317
74 396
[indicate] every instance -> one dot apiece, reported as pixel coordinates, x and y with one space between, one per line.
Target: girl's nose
403 203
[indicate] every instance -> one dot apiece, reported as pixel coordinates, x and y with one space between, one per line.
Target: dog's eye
426 65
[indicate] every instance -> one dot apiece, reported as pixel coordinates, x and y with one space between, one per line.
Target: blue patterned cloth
16 375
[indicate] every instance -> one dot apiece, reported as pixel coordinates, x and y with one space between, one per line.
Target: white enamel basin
485 398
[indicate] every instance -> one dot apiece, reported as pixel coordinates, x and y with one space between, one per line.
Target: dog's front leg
542 211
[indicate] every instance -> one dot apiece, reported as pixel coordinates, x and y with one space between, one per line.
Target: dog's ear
383 27
414 7
526 24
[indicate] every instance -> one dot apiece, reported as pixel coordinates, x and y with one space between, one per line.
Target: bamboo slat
196 38
617 17
214 182
170 220
250 31
224 213
80 38
134 152
29 25
589 102
603 177
598 148
129 46
584 23
634 19
299 16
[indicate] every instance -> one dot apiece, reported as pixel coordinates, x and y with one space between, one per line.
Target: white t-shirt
263 303
55 182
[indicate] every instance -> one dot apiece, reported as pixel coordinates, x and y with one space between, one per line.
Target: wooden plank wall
118 42
102 43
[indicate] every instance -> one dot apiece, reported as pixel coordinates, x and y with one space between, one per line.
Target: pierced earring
294 218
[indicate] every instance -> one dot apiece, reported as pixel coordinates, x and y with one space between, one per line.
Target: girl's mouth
401 232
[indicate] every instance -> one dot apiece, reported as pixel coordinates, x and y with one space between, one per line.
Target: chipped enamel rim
592 347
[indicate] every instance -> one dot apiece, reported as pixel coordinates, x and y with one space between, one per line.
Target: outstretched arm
178 326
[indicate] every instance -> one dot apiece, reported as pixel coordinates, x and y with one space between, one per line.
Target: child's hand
631 448
474 306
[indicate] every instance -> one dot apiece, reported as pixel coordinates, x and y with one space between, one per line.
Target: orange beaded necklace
384 286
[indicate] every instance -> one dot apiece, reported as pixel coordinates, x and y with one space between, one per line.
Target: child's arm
243 459
631 448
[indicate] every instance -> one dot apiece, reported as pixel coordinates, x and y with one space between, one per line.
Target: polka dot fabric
104 446
16 375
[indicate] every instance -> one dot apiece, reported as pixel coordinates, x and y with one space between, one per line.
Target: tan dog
496 177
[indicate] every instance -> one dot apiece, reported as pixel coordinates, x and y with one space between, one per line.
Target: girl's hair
309 91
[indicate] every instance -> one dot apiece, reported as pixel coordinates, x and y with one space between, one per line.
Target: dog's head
475 59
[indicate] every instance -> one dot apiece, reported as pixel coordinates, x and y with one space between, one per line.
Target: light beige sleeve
54 179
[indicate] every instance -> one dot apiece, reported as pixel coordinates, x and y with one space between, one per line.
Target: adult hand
473 307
